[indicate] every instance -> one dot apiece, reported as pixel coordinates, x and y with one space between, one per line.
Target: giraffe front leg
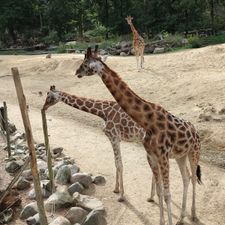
119 168
116 190
151 199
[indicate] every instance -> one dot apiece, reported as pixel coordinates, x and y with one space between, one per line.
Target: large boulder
76 187
14 166
59 199
60 220
76 215
95 218
63 175
87 202
83 178
29 210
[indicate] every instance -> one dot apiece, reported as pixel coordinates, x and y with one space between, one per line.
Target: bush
61 48
52 38
194 42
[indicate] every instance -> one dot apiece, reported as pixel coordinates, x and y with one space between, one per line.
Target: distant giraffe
166 135
118 125
138 43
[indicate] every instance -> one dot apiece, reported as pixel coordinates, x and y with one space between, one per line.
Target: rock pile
69 180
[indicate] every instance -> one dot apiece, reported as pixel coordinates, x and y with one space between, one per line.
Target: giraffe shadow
143 219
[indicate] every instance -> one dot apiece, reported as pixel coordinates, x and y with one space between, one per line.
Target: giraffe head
129 19
52 98
91 65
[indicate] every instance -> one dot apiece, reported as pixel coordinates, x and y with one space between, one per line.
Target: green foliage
51 38
61 48
194 41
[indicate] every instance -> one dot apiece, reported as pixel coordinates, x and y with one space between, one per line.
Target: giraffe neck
134 31
137 108
95 107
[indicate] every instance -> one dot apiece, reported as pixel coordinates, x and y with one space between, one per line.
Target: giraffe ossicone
166 135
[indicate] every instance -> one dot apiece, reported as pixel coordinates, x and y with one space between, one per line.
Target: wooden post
7 129
2 118
30 143
45 131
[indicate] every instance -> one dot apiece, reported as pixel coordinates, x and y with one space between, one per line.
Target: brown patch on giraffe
116 81
128 94
161 126
172 136
117 118
79 102
182 141
94 111
138 101
130 100
182 128
149 116
89 104
137 108
186 145
84 108
171 126
146 107
162 137
161 117
122 86
170 118
124 122
181 135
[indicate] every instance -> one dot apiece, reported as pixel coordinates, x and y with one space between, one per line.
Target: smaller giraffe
138 43
118 125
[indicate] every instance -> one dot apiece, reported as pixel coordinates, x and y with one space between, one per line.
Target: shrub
52 38
194 42
61 48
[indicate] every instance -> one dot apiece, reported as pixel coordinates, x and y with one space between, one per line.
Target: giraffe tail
199 174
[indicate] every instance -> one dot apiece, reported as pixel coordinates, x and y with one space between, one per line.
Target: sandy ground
187 83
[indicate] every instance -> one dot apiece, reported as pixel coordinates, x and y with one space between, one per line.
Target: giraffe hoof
150 200
116 191
194 219
121 199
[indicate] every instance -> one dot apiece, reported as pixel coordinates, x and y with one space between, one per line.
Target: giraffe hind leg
182 163
193 159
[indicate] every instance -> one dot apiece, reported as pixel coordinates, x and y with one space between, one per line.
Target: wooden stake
7 129
30 143
45 131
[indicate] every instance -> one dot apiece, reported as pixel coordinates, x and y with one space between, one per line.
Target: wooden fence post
45 131
30 143
7 129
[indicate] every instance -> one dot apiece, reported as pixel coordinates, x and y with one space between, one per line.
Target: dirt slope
187 83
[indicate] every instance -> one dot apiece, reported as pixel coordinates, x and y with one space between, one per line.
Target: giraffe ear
96 49
89 52
52 88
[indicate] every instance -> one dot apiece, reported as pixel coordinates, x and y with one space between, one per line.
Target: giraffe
138 43
118 125
166 135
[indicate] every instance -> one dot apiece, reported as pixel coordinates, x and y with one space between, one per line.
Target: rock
22 184
76 187
103 52
205 117
123 54
95 218
60 221
87 202
29 210
42 165
32 194
59 199
14 166
76 215
159 50
40 145
27 174
74 169
62 163
57 150
12 128
222 111
33 220
6 217
63 175
99 180
82 178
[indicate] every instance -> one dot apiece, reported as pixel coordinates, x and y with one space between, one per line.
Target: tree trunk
212 15
12 33
107 19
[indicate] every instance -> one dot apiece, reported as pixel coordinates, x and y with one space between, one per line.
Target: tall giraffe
138 43
118 125
166 135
